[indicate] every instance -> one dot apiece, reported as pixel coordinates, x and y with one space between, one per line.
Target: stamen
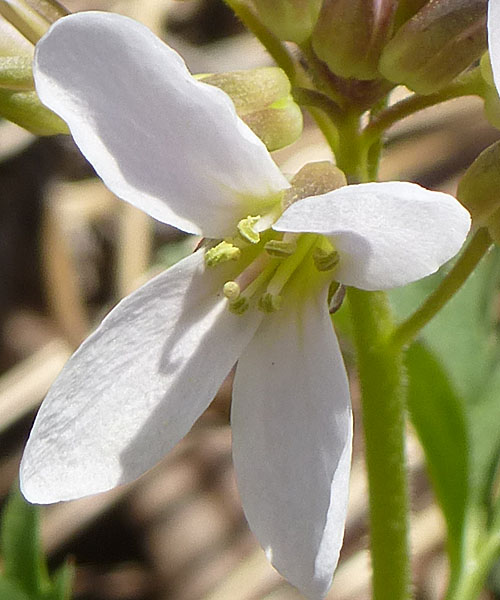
287 268
247 231
325 260
239 306
279 248
223 252
269 303
241 302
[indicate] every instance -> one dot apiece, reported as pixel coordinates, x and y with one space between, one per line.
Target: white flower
175 148
494 39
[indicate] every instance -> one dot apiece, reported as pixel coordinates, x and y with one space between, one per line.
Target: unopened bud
406 9
350 35
262 98
291 20
487 69
25 109
436 44
314 179
479 188
492 105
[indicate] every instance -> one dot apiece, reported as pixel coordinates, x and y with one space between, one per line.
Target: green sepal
436 45
479 188
25 109
291 20
406 9
351 34
263 100
314 179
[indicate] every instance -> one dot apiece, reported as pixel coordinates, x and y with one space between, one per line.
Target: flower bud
479 188
291 20
350 35
262 98
25 109
314 179
406 9
436 44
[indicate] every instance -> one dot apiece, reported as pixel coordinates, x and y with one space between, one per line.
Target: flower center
275 261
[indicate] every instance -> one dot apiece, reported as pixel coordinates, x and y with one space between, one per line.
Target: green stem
283 59
321 74
477 248
472 582
315 99
270 42
381 372
470 84
352 157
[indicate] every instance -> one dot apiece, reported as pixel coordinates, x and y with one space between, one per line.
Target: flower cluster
174 147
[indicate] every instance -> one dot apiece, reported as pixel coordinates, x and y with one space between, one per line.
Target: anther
247 231
325 260
223 252
279 248
239 306
269 303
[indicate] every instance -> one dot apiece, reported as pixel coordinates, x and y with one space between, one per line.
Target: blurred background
69 250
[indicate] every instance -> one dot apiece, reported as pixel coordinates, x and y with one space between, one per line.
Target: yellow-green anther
223 252
279 248
269 303
247 231
239 306
231 290
325 260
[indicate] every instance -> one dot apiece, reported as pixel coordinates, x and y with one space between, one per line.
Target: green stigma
231 290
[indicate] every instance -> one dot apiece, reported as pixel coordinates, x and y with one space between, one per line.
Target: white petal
291 422
387 234
136 386
494 38
158 138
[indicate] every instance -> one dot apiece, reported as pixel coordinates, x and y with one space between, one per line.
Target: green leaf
454 399
10 591
63 583
438 416
23 562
